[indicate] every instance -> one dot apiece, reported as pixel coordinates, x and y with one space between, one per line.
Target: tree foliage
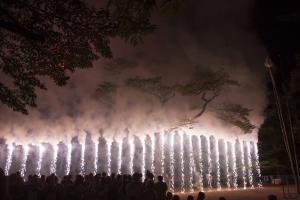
153 86
52 38
105 92
236 115
208 85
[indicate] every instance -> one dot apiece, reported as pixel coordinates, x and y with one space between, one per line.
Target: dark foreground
113 187
243 194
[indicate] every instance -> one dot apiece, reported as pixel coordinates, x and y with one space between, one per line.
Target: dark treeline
278 25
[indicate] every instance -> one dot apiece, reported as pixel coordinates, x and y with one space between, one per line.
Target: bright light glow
160 145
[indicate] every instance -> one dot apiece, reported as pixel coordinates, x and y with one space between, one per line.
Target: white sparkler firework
162 153
120 156
245 154
227 165
53 163
243 164
26 149
109 144
82 159
201 164
8 160
182 163
96 158
209 165
257 165
69 158
191 164
218 166
131 149
172 163
234 176
250 174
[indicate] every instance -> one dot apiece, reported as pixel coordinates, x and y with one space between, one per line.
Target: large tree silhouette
51 38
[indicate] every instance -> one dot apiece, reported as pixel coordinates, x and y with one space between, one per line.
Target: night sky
202 34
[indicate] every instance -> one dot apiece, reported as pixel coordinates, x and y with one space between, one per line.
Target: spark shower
186 161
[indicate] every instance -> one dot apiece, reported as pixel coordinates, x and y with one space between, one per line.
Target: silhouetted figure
149 192
190 197
134 188
160 188
169 196
176 197
272 197
201 196
222 198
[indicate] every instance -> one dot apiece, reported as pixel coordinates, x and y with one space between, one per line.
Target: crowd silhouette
88 187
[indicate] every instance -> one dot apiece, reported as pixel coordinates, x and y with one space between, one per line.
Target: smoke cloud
202 34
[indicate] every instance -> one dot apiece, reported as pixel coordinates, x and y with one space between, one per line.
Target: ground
244 194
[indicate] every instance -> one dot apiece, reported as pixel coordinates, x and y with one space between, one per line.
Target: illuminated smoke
214 163
32 160
89 154
75 166
17 157
205 162
47 159
197 177
148 153
102 162
4 151
115 157
125 155
223 162
138 155
167 144
240 164
178 175
158 157
62 160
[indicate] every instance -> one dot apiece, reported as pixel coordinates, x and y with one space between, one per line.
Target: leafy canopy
208 85
52 38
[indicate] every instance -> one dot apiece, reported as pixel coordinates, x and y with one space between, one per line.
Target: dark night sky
207 33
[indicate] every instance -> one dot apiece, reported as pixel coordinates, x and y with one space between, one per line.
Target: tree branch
206 102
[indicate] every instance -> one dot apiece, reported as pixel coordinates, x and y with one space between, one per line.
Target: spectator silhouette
272 197
160 188
201 196
190 197
169 196
176 197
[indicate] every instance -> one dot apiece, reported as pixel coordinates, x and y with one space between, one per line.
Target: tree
206 84
105 92
278 26
153 86
52 38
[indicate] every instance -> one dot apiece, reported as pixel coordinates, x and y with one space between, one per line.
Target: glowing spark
131 149
69 158
201 164
82 160
227 165
53 163
96 158
234 168
109 144
8 161
172 163
23 169
182 165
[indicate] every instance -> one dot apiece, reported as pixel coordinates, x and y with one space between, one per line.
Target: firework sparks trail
184 164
